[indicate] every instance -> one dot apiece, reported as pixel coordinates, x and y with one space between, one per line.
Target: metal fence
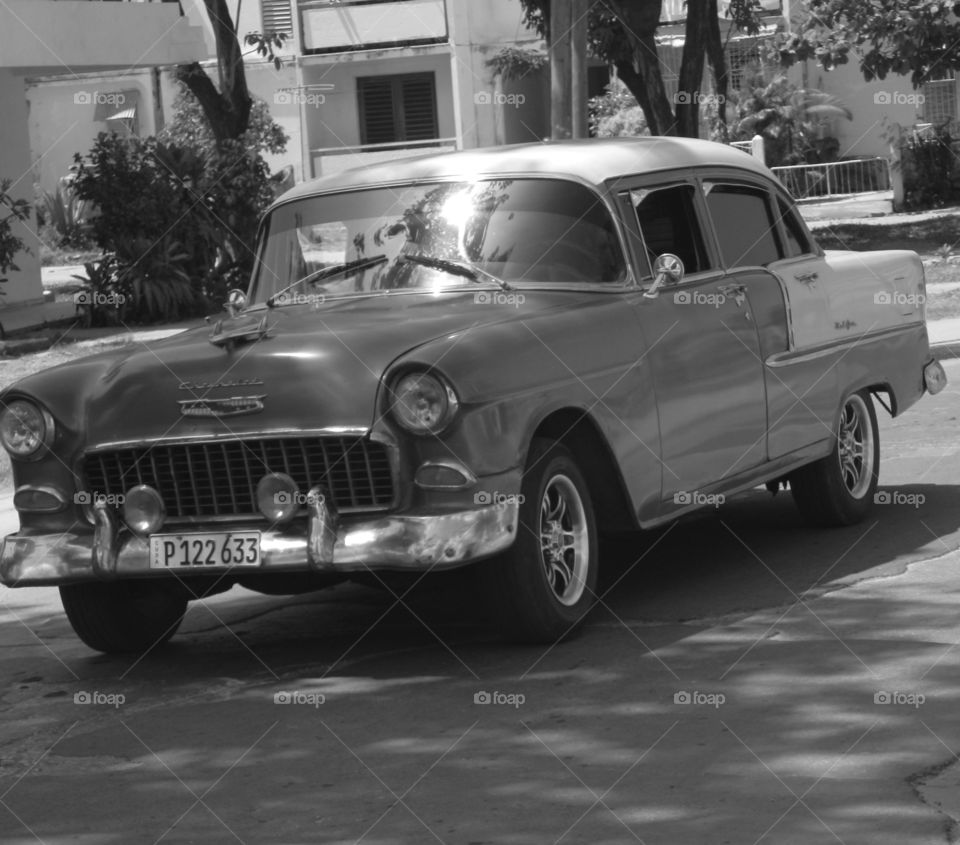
835 178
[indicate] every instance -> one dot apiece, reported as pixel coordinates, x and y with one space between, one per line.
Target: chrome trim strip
802 356
414 542
329 431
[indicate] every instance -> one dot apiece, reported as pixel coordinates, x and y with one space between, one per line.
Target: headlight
422 403
25 428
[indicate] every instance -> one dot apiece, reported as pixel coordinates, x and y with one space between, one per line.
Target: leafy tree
190 127
622 33
228 108
915 38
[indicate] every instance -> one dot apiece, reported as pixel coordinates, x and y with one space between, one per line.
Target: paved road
744 680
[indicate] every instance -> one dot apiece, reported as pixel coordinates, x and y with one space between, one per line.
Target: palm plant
794 122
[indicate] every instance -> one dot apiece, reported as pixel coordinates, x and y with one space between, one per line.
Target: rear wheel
126 616
838 489
545 584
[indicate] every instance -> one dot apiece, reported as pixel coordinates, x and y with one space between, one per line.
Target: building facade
72 38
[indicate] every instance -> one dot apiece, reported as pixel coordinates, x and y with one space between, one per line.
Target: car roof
594 160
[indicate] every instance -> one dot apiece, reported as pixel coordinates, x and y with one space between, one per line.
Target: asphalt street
744 679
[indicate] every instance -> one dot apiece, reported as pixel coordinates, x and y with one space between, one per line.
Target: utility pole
561 20
578 67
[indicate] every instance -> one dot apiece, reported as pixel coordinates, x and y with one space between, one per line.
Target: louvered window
277 16
397 108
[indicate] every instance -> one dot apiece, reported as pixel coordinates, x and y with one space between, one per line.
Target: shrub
616 113
66 215
11 210
929 168
179 222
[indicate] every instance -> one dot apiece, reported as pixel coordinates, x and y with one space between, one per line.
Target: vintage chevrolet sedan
475 358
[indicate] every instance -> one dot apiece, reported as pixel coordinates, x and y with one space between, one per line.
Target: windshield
517 230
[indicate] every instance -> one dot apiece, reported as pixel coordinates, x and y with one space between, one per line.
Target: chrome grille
219 479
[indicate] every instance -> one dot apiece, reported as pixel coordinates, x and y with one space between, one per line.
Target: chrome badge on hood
232 406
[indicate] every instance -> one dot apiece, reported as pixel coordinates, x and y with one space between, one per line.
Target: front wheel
839 489
125 616
545 584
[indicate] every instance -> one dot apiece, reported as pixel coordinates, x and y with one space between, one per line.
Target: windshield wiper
454 266
330 273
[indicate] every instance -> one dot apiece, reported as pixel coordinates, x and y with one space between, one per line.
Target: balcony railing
341 25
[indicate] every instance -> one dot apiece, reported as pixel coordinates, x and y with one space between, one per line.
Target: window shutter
397 108
276 16
419 107
377 123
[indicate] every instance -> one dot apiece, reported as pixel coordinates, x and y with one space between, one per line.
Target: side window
744 224
798 243
668 223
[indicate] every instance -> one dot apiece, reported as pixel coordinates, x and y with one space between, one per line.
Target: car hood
317 367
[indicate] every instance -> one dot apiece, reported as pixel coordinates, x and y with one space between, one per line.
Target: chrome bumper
324 544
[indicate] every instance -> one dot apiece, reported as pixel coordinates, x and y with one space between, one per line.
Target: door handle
806 277
733 289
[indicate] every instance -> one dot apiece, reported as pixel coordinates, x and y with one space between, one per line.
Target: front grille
220 478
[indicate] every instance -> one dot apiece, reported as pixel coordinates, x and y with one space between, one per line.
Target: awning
126 114
115 105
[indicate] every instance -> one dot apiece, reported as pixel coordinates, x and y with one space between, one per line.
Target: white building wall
23 285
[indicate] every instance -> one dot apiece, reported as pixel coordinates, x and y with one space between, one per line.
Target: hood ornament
232 406
248 331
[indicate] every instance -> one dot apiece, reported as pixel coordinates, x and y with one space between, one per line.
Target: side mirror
667 269
236 302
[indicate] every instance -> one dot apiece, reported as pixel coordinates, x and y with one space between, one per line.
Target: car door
764 246
702 350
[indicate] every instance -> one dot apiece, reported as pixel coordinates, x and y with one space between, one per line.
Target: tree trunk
227 110
691 70
578 68
718 61
643 76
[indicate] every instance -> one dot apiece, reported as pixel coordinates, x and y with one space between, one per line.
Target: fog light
39 500
278 497
143 510
934 377
443 475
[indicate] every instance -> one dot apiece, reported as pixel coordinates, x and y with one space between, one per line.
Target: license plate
205 550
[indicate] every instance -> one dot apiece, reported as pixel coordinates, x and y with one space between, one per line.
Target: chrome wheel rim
855 449
564 540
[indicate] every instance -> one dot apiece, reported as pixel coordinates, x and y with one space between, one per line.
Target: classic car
483 357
